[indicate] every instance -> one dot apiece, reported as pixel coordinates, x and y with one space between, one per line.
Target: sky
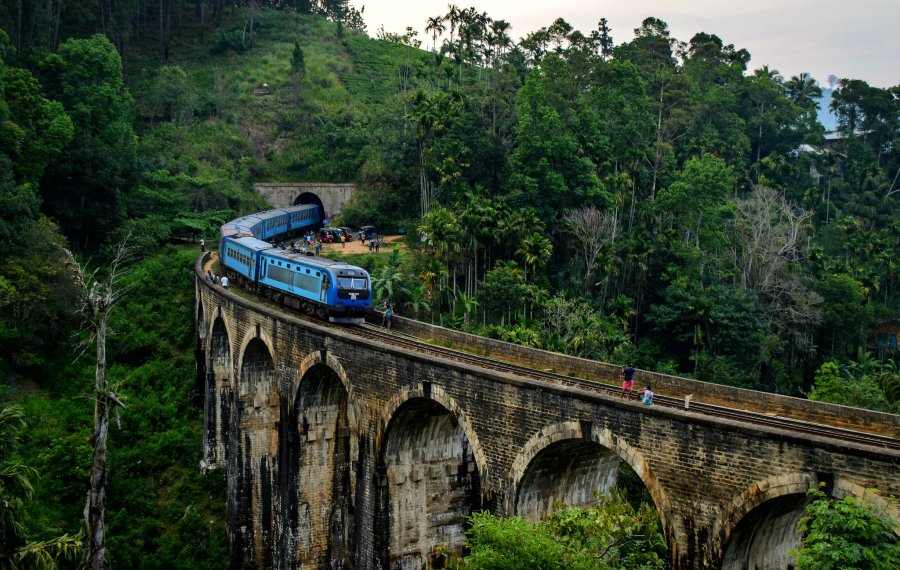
858 39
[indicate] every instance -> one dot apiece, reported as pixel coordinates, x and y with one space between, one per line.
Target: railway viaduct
342 452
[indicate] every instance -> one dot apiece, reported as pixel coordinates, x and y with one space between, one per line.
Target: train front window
352 283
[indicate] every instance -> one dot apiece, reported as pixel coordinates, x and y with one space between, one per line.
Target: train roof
253 219
252 243
273 213
313 260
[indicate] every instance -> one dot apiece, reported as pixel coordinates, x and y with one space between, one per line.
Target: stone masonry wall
762 402
334 196
428 441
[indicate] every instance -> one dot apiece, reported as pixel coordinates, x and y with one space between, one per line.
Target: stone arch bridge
341 452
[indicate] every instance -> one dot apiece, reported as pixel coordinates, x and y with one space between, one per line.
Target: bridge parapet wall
763 402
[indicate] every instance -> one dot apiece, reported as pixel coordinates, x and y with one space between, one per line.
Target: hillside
647 202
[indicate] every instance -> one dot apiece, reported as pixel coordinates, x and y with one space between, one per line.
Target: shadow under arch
218 405
250 465
317 446
439 395
428 479
760 525
582 435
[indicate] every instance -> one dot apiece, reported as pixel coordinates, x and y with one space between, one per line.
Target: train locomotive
331 290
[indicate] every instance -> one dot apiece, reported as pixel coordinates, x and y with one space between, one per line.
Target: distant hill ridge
826 117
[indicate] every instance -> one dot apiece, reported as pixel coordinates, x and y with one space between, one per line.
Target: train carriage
304 217
330 289
240 255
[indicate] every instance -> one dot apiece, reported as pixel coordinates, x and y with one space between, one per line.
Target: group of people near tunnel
646 396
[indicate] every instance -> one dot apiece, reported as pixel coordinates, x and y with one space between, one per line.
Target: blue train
332 290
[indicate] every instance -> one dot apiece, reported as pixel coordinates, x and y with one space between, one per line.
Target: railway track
791 425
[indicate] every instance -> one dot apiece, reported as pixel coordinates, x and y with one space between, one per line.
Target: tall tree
548 171
98 298
83 188
435 25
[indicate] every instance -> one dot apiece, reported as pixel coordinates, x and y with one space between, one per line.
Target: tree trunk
95 531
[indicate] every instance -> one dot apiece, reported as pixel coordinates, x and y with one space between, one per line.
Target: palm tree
436 26
502 40
534 250
385 282
803 90
468 305
453 17
15 490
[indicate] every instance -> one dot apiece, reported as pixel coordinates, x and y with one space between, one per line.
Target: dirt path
354 246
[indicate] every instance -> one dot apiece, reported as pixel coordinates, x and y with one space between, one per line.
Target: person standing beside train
388 315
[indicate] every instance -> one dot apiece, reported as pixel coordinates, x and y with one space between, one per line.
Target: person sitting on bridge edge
225 282
647 396
628 380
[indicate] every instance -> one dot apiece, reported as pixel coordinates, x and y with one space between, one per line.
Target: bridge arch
219 403
439 395
760 525
255 413
580 431
317 445
428 479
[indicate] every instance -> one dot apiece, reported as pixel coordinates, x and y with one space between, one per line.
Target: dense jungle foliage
651 200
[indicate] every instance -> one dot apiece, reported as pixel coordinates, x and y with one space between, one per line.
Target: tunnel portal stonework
331 197
340 452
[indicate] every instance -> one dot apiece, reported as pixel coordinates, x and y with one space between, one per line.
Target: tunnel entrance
314 474
428 483
311 198
763 538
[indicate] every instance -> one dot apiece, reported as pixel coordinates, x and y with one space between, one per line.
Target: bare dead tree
772 238
97 298
592 230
